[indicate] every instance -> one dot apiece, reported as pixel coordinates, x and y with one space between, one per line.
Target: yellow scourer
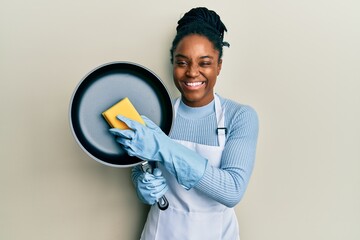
125 108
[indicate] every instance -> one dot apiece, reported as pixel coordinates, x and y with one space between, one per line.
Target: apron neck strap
220 117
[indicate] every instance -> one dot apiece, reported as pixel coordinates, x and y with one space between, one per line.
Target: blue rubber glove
150 143
151 187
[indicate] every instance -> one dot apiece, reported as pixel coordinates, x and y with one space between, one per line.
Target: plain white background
296 62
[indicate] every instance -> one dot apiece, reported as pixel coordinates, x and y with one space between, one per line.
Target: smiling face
196 66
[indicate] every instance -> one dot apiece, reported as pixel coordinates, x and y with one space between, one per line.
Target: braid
203 22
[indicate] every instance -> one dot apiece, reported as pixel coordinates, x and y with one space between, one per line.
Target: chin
193 99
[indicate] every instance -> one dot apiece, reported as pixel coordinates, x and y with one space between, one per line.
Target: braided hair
204 22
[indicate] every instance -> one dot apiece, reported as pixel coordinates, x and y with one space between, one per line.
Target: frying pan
103 87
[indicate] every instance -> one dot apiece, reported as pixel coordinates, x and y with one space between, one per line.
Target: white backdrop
296 62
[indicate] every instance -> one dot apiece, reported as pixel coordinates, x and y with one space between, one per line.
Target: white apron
191 214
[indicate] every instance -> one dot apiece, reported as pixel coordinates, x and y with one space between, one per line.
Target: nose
193 70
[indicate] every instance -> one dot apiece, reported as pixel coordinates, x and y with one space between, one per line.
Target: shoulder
235 109
239 115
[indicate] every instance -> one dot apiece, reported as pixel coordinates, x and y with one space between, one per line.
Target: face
195 69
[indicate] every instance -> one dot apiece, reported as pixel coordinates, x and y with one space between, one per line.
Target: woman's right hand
151 187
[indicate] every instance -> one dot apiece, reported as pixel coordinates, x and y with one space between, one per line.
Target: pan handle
162 202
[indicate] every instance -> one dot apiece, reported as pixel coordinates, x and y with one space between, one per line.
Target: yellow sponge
125 108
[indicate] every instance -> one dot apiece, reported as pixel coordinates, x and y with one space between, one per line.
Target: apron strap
220 117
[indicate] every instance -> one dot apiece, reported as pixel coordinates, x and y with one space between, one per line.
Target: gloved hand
152 144
151 187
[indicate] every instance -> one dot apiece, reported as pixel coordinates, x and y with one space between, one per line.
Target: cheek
177 73
176 77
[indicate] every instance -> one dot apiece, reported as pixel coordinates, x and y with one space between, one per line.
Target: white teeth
193 84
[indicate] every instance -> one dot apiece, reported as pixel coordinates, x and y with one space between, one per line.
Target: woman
205 164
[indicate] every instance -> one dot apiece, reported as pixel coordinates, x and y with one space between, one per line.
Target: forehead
196 46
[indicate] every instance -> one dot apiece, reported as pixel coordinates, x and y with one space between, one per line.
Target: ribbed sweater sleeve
228 183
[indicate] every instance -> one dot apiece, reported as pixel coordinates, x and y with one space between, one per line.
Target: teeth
193 84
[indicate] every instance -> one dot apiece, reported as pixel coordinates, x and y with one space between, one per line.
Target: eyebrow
183 56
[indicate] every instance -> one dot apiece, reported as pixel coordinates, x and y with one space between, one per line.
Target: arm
150 143
228 183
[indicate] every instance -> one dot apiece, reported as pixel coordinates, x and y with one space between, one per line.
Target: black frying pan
102 88
105 86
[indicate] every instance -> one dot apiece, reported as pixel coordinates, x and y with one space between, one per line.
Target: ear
219 66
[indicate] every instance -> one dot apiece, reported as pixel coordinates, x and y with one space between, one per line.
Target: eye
205 64
181 63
